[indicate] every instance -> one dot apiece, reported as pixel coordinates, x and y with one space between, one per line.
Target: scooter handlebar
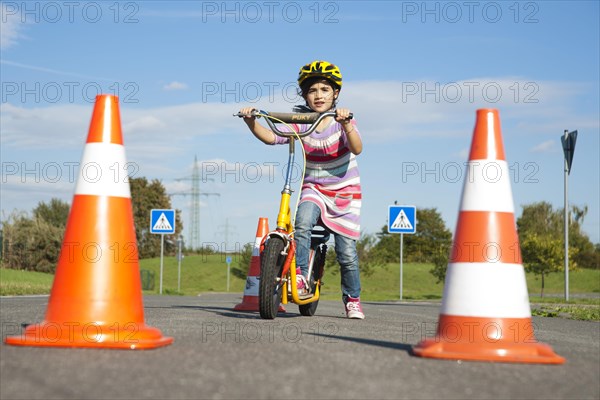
291 118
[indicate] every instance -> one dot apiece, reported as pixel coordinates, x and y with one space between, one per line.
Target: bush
243 265
440 263
589 258
31 244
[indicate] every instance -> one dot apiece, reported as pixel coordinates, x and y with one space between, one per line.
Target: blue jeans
307 216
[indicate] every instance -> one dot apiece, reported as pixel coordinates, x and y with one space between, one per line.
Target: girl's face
321 96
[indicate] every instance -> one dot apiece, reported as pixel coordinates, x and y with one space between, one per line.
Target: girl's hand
260 132
247 111
342 115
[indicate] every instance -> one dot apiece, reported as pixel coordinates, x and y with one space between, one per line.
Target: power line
194 234
226 232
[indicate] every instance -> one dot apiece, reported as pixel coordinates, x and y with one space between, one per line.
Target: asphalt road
219 353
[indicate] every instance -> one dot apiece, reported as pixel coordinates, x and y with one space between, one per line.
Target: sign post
179 258
162 221
402 219
568 142
228 261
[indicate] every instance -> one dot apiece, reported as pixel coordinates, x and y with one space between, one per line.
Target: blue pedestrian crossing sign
162 221
402 219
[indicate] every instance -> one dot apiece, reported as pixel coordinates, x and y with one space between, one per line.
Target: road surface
219 353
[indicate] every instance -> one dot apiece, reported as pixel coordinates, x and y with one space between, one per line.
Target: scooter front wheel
270 286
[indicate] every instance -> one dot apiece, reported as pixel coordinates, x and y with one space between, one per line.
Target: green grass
580 312
580 281
384 284
209 274
200 274
17 282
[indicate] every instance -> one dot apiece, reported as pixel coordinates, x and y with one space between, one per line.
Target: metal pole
228 264
162 246
401 242
566 218
179 240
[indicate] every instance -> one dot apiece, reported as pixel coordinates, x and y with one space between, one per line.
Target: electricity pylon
194 234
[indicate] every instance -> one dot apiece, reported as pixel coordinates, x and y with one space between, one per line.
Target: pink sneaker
301 283
353 308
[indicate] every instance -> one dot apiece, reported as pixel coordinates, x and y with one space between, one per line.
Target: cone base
130 336
535 353
251 304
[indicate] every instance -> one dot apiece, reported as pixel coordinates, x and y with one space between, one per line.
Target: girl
331 192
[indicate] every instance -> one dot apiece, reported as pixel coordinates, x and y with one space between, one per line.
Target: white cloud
175 86
43 127
435 109
10 26
144 124
58 125
548 146
58 72
386 110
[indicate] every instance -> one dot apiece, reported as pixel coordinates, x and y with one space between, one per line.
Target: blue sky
414 75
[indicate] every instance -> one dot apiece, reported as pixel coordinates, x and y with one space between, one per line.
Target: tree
431 236
429 244
589 258
541 219
243 264
146 196
55 213
440 262
587 255
542 254
367 261
34 243
540 230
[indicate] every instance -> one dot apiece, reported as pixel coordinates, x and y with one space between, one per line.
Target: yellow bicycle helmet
322 69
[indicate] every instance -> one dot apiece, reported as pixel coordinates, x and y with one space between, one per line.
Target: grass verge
201 274
19 283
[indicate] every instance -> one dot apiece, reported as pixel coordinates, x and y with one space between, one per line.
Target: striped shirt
332 180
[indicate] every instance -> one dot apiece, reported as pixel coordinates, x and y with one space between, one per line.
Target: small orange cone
485 313
250 299
96 297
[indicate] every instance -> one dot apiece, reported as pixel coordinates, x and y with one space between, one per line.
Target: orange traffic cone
250 299
485 311
96 297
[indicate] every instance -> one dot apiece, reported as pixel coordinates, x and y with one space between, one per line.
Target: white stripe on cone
103 171
487 187
494 290
255 249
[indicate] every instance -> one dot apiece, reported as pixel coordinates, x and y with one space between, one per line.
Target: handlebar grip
240 115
